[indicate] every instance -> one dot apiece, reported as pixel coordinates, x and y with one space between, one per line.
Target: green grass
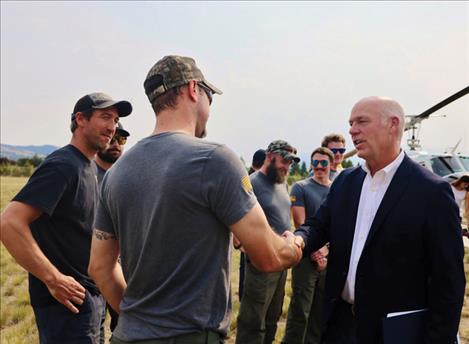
17 324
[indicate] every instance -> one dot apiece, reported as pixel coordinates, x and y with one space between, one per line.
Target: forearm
19 241
112 286
105 269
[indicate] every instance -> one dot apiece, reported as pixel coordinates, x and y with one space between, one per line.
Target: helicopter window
465 161
444 165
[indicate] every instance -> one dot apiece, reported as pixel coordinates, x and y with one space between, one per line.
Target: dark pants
242 267
114 317
205 337
261 306
57 325
304 320
341 327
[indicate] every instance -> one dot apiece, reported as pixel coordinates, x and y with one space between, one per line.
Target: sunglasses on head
121 140
338 150
323 163
207 91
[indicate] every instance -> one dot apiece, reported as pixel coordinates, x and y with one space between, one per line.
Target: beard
275 175
108 156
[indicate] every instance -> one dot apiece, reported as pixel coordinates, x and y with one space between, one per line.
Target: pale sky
288 70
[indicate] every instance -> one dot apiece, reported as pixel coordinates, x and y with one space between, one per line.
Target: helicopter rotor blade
350 154
443 103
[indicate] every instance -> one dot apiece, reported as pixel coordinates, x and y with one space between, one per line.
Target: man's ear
80 119
395 121
192 90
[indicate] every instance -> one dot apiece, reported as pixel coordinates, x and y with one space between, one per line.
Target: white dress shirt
373 190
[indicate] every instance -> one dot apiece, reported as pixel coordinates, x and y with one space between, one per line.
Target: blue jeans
57 325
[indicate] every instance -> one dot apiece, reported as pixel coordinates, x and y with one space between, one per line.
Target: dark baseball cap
258 157
173 71
101 100
121 131
284 149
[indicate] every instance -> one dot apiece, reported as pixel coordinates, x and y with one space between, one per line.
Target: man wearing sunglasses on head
108 156
336 143
304 320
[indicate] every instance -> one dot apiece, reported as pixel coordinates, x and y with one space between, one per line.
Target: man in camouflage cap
261 305
169 207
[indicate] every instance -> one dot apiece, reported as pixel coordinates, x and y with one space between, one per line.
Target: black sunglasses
323 163
121 140
338 150
208 91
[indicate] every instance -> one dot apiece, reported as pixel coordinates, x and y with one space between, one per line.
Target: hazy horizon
288 70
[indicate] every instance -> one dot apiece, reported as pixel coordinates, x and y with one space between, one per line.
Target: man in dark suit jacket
395 242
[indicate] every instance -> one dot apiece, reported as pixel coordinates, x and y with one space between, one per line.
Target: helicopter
448 165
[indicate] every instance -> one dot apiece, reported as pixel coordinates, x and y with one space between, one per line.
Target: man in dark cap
108 156
257 160
261 305
47 227
168 206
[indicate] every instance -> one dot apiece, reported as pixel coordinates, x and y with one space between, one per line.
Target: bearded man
108 156
262 301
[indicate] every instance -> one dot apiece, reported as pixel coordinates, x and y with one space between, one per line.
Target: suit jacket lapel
394 192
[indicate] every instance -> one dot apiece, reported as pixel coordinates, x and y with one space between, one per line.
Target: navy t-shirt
64 187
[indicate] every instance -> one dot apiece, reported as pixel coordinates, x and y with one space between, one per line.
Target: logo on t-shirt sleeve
246 183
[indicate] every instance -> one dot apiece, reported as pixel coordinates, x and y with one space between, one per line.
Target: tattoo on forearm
100 235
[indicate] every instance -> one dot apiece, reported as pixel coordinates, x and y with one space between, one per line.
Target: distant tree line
23 167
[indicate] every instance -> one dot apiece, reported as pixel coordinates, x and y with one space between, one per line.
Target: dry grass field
17 324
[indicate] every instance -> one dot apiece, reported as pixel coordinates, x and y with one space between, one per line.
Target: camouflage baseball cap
173 71
284 149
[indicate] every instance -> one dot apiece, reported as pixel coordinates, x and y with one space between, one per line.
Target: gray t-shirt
274 200
170 200
309 194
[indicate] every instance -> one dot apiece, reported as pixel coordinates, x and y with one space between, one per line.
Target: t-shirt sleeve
297 196
102 219
226 186
44 189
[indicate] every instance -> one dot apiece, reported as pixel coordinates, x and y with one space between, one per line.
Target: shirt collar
389 169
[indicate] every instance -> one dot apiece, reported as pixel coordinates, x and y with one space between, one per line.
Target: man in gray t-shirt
168 207
304 320
261 305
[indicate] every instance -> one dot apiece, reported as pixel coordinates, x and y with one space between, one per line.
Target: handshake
296 244
271 252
